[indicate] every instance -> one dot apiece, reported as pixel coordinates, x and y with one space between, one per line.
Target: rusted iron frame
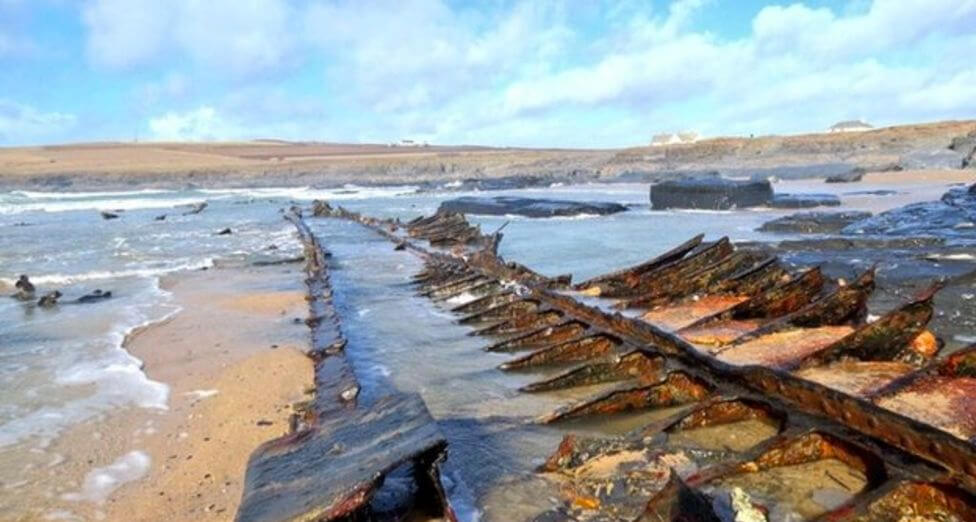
686 285
633 364
653 283
790 393
582 348
674 254
535 339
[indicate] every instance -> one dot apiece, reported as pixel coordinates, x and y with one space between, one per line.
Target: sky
563 73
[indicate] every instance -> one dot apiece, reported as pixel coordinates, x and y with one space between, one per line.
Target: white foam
953 257
95 275
115 374
93 194
97 204
101 482
202 394
308 193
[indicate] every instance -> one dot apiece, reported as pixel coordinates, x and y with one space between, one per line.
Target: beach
234 361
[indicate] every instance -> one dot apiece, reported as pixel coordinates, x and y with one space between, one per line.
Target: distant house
671 138
850 126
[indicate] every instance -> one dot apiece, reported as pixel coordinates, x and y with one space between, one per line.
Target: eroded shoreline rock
711 194
528 207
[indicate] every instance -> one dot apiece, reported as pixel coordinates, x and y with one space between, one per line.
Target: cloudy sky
580 73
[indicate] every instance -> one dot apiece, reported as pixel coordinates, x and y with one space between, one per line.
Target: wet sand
233 358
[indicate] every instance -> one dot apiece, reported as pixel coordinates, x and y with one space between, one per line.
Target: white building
672 138
850 126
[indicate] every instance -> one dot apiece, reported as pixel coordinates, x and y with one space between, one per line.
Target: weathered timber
331 470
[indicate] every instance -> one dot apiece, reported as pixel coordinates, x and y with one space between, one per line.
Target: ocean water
67 365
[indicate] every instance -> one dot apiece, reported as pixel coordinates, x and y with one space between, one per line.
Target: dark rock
97 295
804 200
25 289
108 215
161 217
847 177
529 207
49 300
814 222
225 232
710 193
952 217
872 193
321 208
966 145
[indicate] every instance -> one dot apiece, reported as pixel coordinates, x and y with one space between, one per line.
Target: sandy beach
233 360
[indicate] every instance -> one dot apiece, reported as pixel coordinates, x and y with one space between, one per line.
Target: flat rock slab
952 217
804 200
528 207
711 194
814 222
331 470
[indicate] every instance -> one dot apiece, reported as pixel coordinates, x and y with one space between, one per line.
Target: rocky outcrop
804 200
952 217
966 145
847 177
528 207
814 222
711 193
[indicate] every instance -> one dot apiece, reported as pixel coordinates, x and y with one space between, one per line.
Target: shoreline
234 361
262 163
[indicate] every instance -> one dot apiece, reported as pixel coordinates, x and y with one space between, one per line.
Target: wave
80 195
51 205
308 193
98 275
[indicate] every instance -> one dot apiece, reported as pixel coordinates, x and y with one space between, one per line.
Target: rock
25 289
529 207
49 300
952 217
97 295
710 193
108 215
225 232
196 209
321 208
966 145
161 217
882 192
848 177
804 200
814 222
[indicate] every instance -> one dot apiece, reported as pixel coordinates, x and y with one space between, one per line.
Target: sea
67 365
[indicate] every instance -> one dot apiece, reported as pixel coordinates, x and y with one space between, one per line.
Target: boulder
97 295
108 215
966 145
814 222
528 207
952 217
710 193
847 177
804 200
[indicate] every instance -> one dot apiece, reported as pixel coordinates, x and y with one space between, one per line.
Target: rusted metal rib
859 425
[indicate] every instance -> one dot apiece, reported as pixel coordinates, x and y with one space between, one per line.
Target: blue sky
575 73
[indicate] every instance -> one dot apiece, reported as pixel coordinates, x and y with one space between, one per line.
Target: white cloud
24 124
201 124
123 33
239 36
532 73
